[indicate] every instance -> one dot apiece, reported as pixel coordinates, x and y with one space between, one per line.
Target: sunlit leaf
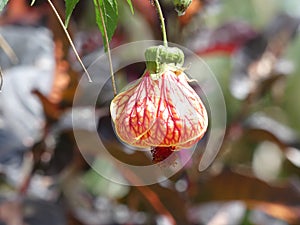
70 5
109 11
131 6
3 4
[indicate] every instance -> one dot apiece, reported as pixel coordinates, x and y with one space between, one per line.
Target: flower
161 110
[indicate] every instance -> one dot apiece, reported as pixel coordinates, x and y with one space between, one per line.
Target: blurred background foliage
251 46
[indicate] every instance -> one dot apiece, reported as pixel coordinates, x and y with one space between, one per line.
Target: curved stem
162 21
69 39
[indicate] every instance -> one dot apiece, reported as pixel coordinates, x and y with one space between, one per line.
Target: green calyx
157 56
181 6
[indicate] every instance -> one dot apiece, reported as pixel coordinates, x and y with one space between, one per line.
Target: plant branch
148 194
8 50
108 49
69 39
162 21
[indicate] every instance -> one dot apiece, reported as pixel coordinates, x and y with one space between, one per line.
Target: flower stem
108 49
69 38
162 20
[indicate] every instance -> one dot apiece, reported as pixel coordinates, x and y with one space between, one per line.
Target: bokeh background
252 47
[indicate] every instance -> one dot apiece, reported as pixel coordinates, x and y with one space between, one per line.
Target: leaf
109 14
3 4
131 6
70 6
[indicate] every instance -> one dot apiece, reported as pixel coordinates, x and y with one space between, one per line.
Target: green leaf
32 2
131 6
3 4
70 6
109 10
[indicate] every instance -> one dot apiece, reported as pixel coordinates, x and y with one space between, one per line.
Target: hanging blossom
161 110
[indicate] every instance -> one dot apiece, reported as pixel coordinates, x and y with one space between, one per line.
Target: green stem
108 50
162 20
69 38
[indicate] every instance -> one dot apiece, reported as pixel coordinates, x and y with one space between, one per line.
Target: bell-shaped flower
160 110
